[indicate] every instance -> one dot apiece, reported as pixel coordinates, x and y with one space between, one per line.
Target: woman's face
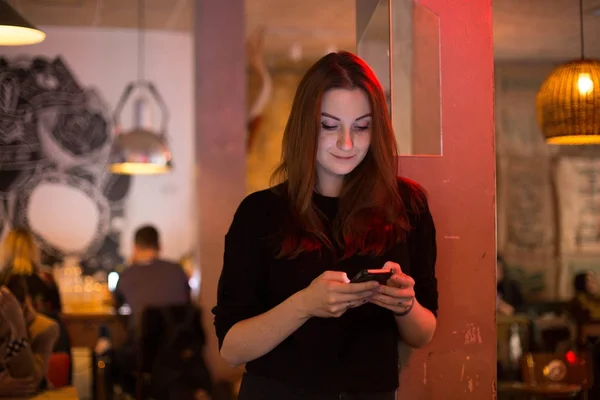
345 134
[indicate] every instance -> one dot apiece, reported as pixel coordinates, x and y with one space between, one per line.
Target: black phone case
365 276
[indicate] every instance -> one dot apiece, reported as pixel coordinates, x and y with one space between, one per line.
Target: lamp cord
581 29
140 40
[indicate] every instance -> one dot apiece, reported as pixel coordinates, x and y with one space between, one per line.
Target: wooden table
539 391
591 329
65 393
83 325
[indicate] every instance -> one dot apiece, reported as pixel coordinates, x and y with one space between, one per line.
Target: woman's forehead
342 103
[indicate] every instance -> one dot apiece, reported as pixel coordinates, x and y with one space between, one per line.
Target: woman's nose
344 141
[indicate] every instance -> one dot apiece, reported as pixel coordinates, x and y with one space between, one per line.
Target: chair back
171 362
59 370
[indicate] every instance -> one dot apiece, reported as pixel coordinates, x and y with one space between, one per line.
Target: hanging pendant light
141 150
568 103
16 30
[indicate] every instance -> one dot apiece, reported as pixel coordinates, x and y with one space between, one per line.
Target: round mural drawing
55 139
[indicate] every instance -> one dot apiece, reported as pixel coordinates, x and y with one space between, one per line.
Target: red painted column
461 361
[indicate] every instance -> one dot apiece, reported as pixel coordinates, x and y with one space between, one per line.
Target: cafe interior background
54 177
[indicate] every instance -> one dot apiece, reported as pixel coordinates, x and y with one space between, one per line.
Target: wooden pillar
220 94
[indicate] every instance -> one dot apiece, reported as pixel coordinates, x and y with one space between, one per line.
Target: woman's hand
331 294
10 386
398 294
12 312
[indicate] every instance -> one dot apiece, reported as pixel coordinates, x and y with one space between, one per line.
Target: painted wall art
55 138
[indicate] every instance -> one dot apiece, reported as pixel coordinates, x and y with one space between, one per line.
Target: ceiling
544 29
528 30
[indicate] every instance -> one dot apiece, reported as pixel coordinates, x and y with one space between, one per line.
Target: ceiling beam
98 13
176 13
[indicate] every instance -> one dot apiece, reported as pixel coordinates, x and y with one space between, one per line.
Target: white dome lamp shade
140 150
16 30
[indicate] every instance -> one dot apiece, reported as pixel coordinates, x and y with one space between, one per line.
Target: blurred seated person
585 308
510 297
21 256
26 340
585 305
149 281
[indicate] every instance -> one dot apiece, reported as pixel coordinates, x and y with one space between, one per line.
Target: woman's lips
343 157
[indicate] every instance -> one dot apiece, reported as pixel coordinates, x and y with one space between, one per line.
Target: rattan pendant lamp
568 103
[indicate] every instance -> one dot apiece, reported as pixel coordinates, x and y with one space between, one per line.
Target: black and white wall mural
55 138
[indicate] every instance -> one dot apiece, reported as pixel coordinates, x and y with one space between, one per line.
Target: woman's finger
352 297
396 292
397 306
395 267
402 280
380 304
336 276
355 287
392 301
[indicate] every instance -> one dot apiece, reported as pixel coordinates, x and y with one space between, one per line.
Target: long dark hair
20 252
17 286
580 283
372 215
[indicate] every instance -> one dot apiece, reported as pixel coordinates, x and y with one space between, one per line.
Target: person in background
26 340
585 308
585 305
510 296
149 280
21 255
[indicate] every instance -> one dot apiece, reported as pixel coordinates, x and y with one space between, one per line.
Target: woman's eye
328 127
361 128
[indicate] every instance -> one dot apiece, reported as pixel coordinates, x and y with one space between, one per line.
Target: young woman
26 340
286 305
21 255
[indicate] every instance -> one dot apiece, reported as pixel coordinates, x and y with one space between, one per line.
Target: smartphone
366 275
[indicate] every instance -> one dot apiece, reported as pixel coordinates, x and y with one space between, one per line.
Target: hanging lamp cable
140 40
581 29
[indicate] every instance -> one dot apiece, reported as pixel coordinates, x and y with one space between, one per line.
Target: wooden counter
65 393
550 389
588 330
83 326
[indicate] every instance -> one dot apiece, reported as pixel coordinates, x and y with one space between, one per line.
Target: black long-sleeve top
357 352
